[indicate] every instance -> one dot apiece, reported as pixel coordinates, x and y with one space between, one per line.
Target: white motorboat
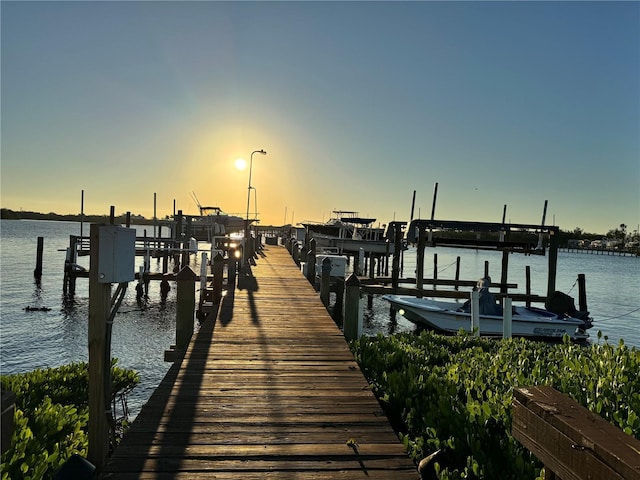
526 321
347 233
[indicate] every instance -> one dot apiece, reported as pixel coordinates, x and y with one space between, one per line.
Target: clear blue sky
357 104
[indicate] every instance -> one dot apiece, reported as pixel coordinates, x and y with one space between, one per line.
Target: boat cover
487 302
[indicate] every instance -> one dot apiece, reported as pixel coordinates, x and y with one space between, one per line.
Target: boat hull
526 322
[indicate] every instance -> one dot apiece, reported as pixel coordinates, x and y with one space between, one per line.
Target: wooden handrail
571 441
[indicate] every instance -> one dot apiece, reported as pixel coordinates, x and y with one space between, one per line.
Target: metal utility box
338 265
116 254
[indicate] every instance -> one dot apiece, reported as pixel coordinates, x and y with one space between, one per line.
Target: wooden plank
267 389
570 440
247 475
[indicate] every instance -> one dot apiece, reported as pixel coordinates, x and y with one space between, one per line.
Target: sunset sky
357 104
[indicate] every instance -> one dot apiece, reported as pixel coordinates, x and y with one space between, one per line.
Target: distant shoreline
7 214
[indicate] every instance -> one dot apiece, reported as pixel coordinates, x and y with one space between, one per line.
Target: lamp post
246 225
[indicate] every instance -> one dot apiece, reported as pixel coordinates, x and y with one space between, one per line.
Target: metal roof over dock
267 389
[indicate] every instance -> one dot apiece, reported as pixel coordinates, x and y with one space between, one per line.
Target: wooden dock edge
571 441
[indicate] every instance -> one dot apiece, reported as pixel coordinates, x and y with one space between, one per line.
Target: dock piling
37 272
582 293
325 281
352 309
218 274
185 306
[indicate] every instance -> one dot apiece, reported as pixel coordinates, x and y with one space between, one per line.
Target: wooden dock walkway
267 390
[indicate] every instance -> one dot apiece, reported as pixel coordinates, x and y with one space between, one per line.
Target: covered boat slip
268 389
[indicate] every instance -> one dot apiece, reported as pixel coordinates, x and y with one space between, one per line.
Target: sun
241 164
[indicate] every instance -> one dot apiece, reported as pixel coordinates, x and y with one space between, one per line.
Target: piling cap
186 273
352 280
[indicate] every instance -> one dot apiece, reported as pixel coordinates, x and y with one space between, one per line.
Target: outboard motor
564 305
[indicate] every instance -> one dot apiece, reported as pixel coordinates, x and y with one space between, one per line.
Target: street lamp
262 152
246 226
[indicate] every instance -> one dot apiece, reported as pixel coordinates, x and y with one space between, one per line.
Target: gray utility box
117 254
338 265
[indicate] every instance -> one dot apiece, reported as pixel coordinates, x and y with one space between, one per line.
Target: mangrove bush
51 417
453 394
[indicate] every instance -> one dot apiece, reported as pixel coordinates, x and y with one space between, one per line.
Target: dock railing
572 442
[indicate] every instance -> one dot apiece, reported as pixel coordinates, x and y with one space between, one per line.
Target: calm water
30 340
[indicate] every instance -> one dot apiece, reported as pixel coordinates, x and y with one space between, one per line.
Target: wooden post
81 212
397 248
311 266
203 276
352 309
582 293
506 318
372 266
218 274
295 246
475 312
413 204
372 263
99 352
457 272
527 274
505 272
71 258
178 231
165 258
303 255
435 270
185 306
433 209
553 262
359 265
325 281
37 272
338 307
420 260
486 268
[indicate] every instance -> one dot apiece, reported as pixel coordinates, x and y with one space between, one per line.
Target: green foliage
454 393
51 417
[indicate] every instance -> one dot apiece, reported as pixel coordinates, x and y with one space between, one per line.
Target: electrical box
116 254
338 265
